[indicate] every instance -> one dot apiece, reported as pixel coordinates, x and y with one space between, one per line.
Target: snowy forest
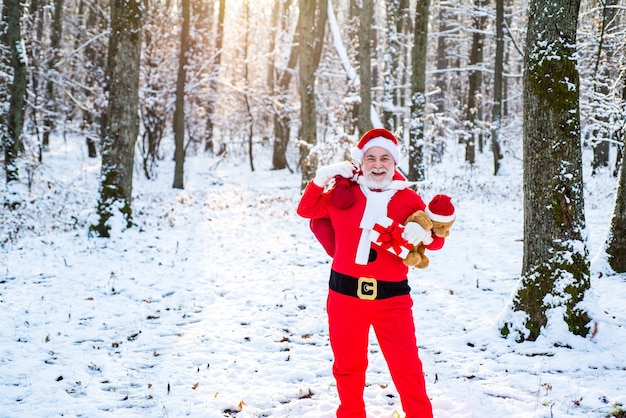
111 107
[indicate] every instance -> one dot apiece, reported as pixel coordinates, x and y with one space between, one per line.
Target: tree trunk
497 87
282 116
246 93
620 136
391 59
179 112
320 31
122 122
55 44
352 107
442 60
93 116
215 72
508 7
36 10
618 155
272 71
418 92
12 39
555 270
275 29
311 33
473 113
365 64
616 241
406 33
603 70
307 88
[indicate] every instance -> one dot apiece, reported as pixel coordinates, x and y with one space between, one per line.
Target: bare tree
179 112
605 75
215 71
122 125
497 87
473 115
365 66
306 31
279 79
13 122
36 55
393 71
50 115
352 28
246 80
616 241
418 92
442 58
94 107
313 15
160 67
555 268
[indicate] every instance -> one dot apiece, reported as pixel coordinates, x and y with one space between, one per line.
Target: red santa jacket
315 204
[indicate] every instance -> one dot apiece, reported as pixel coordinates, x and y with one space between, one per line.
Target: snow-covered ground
214 304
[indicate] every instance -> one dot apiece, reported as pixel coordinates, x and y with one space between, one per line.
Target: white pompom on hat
440 209
377 137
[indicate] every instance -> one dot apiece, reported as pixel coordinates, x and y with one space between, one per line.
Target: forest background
238 66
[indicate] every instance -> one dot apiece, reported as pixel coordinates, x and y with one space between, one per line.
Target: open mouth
378 175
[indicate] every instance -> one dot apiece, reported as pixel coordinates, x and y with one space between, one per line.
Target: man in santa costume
368 279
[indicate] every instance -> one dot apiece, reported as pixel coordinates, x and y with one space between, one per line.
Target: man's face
378 168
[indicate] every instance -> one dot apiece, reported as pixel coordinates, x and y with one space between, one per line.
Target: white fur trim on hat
439 218
379 141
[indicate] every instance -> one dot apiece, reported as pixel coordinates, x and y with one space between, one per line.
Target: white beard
373 184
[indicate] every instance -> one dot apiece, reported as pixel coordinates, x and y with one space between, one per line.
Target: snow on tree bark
122 126
12 129
55 43
555 270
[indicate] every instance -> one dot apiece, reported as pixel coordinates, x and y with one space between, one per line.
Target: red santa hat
440 209
377 137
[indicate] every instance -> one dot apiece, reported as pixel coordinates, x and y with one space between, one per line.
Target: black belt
366 287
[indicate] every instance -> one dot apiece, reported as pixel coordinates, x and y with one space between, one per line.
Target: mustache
378 171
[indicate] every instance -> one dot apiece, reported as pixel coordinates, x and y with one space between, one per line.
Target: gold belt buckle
367 288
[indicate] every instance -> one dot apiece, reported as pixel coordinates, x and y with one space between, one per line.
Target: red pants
349 321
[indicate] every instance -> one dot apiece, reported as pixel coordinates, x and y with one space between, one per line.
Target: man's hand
414 233
325 173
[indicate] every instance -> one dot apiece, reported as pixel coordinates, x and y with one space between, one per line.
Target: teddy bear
417 257
438 216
